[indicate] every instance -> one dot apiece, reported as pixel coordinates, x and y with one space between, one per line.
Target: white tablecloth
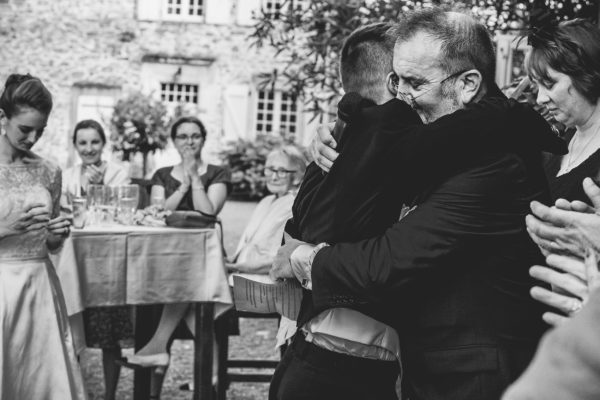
117 265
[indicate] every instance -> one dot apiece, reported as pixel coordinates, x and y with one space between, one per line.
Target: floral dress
37 356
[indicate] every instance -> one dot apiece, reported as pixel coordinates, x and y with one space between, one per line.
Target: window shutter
149 10
218 11
245 10
236 104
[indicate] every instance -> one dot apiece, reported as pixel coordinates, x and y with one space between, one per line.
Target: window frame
185 17
285 113
283 7
195 93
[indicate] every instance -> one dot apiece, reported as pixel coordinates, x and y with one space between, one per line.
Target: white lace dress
37 359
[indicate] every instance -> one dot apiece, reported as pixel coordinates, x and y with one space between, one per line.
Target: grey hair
296 156
465 42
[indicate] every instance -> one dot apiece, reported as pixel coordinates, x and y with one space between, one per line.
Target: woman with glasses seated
262 237
190 185
284 169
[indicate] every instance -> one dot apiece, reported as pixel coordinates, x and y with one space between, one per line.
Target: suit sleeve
454 141
459 213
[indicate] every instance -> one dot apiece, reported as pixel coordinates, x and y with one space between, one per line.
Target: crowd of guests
443 235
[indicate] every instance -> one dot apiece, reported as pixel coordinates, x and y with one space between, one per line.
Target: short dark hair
366 58
25 91
192 120
89 124
573 48
465 42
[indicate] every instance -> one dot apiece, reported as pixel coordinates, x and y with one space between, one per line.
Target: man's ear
391 82
471 83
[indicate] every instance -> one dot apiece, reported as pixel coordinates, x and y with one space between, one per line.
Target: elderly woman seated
261 239
284 169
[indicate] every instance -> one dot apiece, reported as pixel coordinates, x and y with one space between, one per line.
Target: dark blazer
453 274
387 156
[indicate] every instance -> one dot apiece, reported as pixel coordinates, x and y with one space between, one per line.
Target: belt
326 358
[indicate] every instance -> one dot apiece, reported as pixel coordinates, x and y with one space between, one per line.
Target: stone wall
67 42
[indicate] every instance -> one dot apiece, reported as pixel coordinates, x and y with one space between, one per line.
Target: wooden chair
225 363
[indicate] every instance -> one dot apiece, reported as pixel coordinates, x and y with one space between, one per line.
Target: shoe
158 361
189 387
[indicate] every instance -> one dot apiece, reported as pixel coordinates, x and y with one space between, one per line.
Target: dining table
140 265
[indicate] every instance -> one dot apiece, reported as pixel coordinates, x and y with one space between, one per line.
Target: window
178 93
274 8
276 112
184 9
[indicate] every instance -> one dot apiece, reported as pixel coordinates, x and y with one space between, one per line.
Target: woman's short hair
572 48
89 124
21 91
191 120
294 154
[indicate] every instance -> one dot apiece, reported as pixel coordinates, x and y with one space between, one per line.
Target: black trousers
308 372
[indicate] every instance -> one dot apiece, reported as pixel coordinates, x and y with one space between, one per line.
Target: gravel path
256 340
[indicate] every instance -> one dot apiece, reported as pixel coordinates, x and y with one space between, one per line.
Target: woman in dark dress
189 185
565 65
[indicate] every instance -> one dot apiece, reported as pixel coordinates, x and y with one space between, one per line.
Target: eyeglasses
410 98
280 173
185 138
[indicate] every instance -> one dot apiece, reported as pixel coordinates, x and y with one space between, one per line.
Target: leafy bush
139 124
246 159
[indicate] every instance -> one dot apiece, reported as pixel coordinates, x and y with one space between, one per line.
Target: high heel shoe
159 362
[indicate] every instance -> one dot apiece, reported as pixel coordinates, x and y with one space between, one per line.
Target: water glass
128 197
107 208
95 199
79 212
158 199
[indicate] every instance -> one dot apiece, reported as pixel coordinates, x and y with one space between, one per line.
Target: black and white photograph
299 199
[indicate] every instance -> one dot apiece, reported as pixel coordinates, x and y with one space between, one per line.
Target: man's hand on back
322 147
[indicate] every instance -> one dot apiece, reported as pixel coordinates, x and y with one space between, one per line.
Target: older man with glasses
451 276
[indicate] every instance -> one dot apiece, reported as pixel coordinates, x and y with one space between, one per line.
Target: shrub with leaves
139 124
246 159
308 39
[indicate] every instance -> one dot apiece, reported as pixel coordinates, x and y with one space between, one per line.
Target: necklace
572 161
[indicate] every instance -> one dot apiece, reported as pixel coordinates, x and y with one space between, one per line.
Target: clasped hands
191 176
35 216
95 174
569 236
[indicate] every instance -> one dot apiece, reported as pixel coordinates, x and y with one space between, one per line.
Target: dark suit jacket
387 157
453 274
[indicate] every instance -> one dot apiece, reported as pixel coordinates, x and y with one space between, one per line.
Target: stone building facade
92 52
